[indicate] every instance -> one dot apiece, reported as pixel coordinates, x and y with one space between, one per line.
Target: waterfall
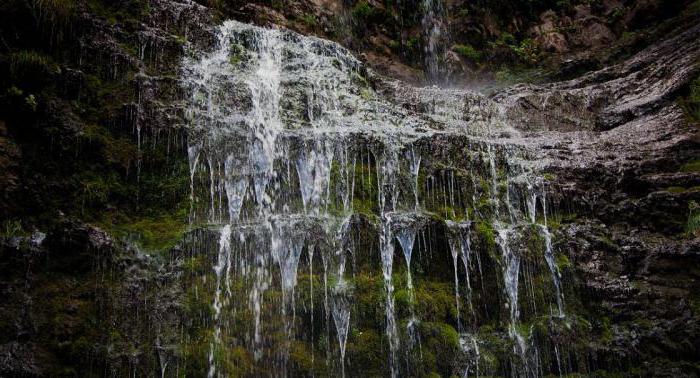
436 37
295 148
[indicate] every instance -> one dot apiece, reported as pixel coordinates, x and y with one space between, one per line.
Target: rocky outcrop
614 141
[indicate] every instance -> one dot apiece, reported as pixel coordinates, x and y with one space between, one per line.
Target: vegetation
69 130
467 52
363 12
691 166
309 20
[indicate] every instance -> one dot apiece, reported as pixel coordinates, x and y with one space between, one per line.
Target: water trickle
406 237
455 246
511 273
341 318
556 277
460 247
386 247
407 228
314 168
222 262
236 188
414 163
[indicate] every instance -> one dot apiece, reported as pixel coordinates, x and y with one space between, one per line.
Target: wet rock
10 155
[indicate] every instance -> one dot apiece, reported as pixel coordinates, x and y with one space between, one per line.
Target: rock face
542 229
618 173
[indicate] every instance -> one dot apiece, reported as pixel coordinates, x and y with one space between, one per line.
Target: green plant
29 62
617 13
691 166
563 262
30 101
527 51
487 234
467 51
308 20
506 39
11 228
394 45
363 12
505 76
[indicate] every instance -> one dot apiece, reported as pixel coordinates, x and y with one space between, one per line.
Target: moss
691 166
237 54
301 357
156 232
694 304
486 234
563 262
364 349
440 347
364 199
524 329
435 301
369 294
402 298
366 94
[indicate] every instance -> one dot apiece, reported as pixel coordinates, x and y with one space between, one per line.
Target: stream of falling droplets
285 131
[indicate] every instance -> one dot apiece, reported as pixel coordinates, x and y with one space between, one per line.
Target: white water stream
291 141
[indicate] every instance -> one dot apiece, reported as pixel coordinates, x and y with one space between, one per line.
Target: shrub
363 12
11 228
527 51
29 62
467 51
308 20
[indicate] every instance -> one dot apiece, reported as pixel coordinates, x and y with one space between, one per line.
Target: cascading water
296 149
436 37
